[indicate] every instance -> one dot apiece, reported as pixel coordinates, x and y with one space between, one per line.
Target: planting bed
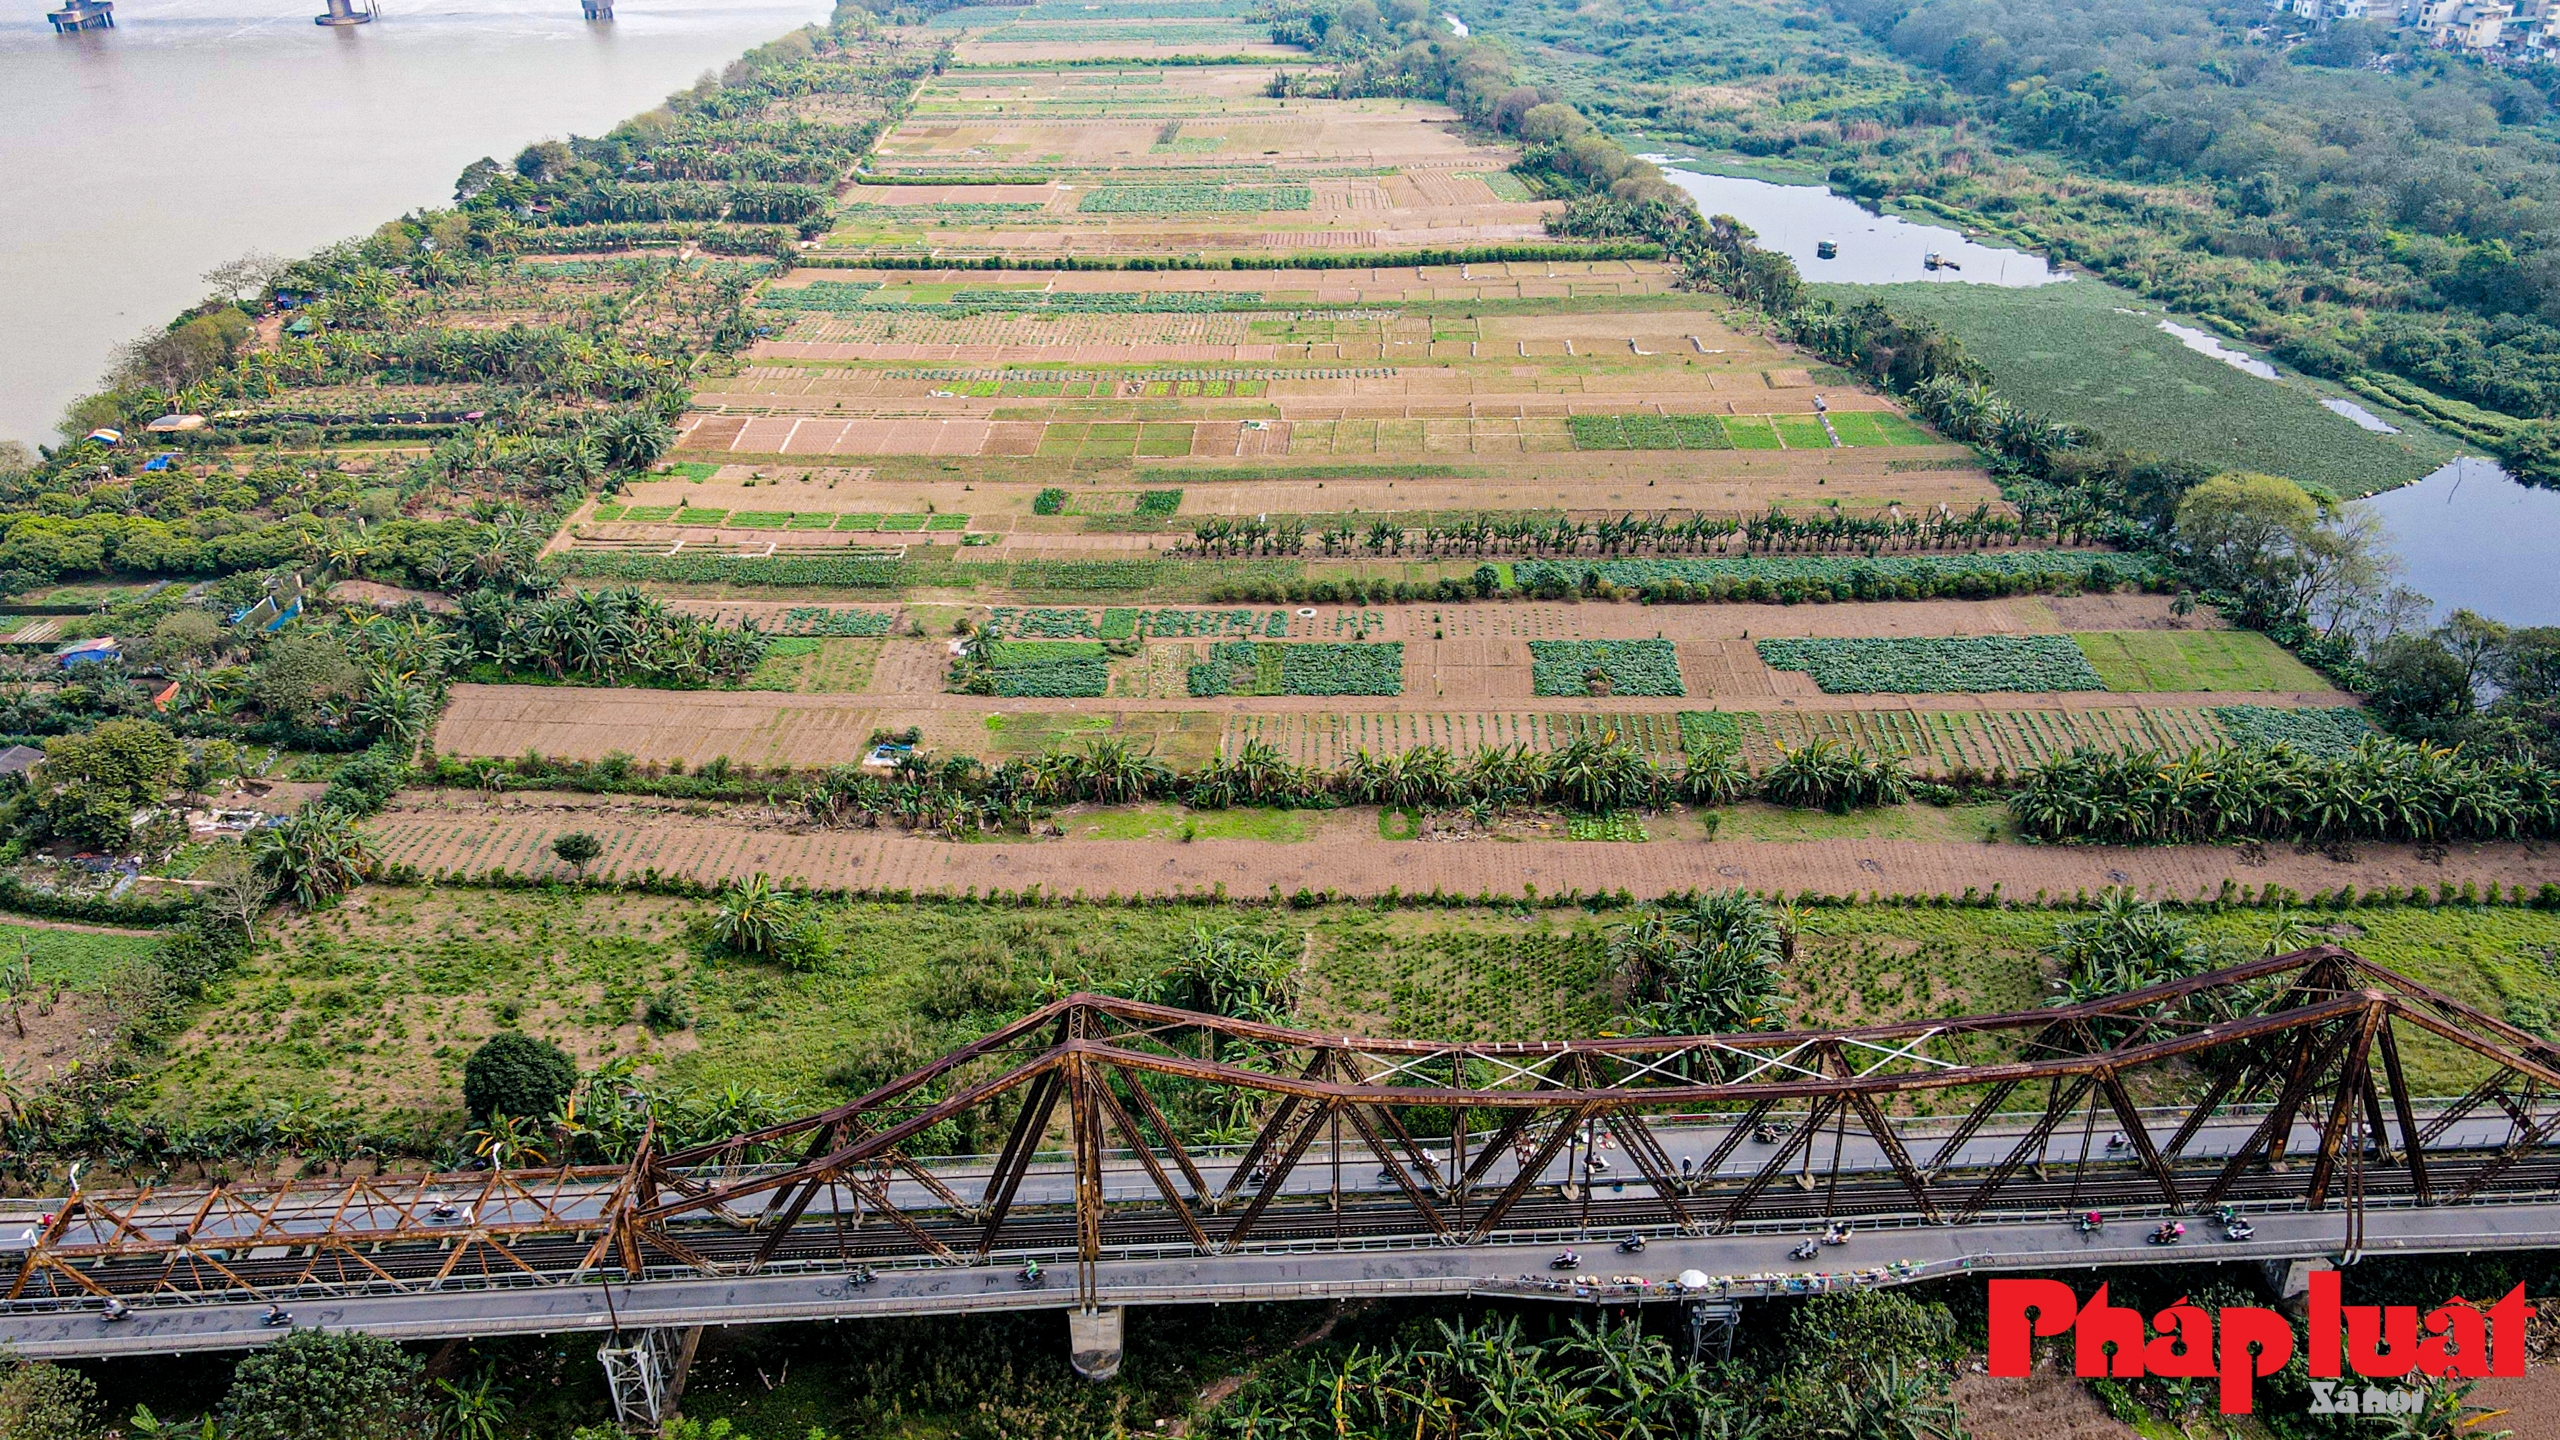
1628 667
1969 664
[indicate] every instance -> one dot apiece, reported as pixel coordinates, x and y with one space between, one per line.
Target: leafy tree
578 849
91 785
516 1075
2419 686
299 674
312 856
185 635
46 1402
316 1385
2250 535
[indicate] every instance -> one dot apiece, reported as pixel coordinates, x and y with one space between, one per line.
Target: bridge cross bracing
1157 1155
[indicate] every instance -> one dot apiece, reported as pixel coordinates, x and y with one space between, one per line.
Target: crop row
1246 667
828 621
2329 730
1047 669
849 297
773 519
1883 577
1191 197
1961 664
1649 432
1585 667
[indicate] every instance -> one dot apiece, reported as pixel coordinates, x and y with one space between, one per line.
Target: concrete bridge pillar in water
343 13
597 9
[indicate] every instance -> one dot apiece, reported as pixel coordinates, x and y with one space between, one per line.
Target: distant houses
2491 29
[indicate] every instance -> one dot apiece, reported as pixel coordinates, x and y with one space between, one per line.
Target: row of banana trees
2067 520
2383 790
608 636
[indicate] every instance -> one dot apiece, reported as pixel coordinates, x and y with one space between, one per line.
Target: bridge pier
2289 1281
644 1372
597 9
1093 1342
78 15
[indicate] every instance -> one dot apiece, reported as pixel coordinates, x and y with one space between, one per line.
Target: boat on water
1826 250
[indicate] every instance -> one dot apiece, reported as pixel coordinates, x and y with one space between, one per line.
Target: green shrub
518 1075
315 1385
1050 501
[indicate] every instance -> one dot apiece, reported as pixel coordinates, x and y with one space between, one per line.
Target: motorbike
864 1276
1031 1273
1837 1234
2238 1230
1805 1251
2091 1223
1566 1261
115 1311
2168 1235
1765 1134
277 1316
1632 1245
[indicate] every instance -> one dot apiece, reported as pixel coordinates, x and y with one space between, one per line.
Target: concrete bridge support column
2289 1281
1093 1342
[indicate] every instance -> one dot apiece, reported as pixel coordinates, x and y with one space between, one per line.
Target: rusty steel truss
1120 1127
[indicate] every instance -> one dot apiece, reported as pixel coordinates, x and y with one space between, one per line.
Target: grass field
71 959
375 1005
2096 355
2195 660
806 665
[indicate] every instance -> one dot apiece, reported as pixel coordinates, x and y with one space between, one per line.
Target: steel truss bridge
1354 1166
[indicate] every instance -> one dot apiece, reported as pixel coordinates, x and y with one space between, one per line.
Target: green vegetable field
1967 664
1245 667
2328 730
1633 667
1193 197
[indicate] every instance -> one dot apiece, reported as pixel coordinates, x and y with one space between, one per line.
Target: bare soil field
457 833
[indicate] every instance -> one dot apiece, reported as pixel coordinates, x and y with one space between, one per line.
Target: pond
1874 249
2470 537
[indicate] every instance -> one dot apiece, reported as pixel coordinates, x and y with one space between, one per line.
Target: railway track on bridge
2277 1086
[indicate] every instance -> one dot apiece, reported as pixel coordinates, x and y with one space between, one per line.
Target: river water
2467 537
1873 249
135 159
2470 537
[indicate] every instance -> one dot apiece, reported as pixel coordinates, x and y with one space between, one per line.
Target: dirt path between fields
30 922
452 834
